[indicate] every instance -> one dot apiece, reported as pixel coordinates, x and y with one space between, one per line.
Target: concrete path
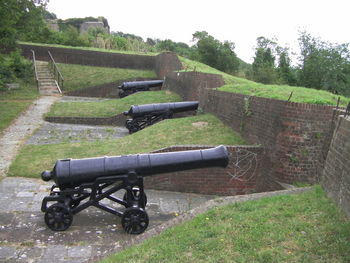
24 236
14 135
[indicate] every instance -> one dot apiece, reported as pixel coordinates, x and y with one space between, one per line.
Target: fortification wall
242 176
336 174
89 58
296 136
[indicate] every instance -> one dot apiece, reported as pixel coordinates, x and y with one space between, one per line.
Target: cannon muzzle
70 173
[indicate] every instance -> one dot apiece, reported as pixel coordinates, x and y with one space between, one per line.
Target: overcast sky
239 21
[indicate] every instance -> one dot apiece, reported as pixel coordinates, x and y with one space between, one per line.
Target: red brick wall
336 174
242 176
189 84
296 135
90 58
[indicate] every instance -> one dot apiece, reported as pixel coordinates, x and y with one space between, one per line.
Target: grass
93 49
280 92
33 159
111 107
14 102
78 77
295 228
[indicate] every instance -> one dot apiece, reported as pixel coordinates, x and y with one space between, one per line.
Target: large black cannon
131 87
148 114
80 183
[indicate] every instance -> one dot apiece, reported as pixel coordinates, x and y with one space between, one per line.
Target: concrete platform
24 236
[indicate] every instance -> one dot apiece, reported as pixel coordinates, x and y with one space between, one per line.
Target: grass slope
14 102
111 107
78 77
296 228
33 159
281 92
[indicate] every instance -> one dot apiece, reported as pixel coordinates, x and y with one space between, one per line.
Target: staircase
47 83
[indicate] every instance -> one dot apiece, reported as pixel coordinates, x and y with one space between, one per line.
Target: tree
20 19
263 67
215 53
286 74
324 65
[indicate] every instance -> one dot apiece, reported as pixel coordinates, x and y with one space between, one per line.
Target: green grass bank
14 102
294 228
33 159
107 108
79 77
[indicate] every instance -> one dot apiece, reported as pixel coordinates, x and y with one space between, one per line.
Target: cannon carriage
148 114
128 88
80 183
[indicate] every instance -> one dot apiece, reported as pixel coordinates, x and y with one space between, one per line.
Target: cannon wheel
133 125
58 217
136 196
134 220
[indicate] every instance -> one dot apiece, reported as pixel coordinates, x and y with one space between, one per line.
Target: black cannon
80 183
148 114
131 87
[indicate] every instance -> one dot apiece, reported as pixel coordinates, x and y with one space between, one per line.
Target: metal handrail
35 70
56 72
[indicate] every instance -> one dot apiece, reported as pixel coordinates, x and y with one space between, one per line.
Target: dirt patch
51 133
200 124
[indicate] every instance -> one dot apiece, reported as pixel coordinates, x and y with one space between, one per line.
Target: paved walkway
14 135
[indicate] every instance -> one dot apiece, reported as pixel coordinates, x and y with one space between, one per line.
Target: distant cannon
93 179
128 88
148 114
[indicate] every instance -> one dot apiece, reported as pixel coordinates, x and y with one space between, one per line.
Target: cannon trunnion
148 114
128 88
80 183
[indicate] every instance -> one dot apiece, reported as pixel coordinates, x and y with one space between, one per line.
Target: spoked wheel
134 220
58 217
136 196
132 126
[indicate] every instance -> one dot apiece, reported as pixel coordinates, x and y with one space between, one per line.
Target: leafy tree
286 74
20 19
263 67
214 53
324 65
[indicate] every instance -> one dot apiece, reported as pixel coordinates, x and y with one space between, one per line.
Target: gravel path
24 126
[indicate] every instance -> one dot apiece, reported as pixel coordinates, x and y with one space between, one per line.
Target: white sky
239 21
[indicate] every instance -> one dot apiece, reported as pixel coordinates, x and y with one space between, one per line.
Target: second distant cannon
128 88
142 116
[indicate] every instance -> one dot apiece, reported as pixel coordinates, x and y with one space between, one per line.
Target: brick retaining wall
296 135
336 174
89 58
242 176
189 84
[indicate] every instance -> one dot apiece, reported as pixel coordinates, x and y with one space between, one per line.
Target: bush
13 66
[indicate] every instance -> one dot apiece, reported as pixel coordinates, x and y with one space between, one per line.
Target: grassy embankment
280 92
33 159
111 107
78 77
297 228
14 102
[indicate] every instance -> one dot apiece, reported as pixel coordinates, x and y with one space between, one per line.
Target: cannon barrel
141 84
70 173
175 107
